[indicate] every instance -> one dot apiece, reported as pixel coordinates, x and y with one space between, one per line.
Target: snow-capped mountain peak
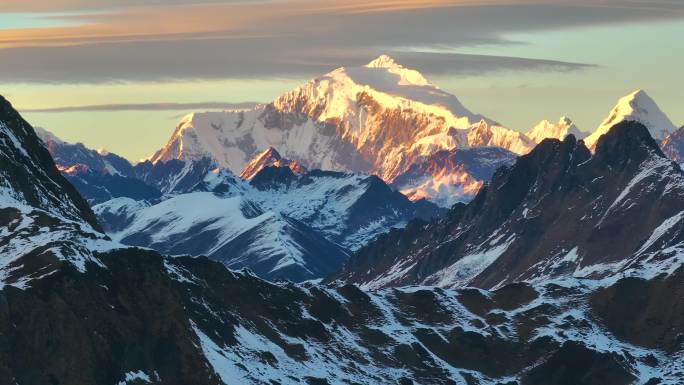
547 129
484 134
382 61
379 119
637 106
407 76
270 157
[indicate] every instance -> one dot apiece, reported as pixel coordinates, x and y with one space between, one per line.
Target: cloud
211 59
148 107
154 41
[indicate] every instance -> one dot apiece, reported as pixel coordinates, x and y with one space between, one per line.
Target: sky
119 74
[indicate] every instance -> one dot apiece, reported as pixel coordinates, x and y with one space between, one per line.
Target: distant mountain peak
565 120
484 134
547 129
268 158
382 61
376 119
407 76
636 106
47 136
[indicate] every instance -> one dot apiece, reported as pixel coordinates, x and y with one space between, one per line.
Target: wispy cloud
148 107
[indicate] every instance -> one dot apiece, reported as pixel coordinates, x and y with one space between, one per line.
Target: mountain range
78 308
278 223
381 119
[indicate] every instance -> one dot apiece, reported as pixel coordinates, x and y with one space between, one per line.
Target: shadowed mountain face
29 175
558 211
44 222
76 310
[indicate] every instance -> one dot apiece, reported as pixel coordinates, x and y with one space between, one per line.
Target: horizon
98 73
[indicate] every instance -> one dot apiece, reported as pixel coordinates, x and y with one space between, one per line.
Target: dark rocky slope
44 222
191 321
28 173
559 211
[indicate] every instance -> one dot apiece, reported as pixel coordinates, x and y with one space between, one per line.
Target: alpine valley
364 228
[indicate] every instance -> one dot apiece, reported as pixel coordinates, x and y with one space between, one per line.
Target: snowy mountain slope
559 211
377 119
447 177
232 230
349 209
548 130
483 134
44 223
293 221
638 107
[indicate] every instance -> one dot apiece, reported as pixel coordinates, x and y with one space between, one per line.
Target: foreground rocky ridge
44 222
191 321
558 211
